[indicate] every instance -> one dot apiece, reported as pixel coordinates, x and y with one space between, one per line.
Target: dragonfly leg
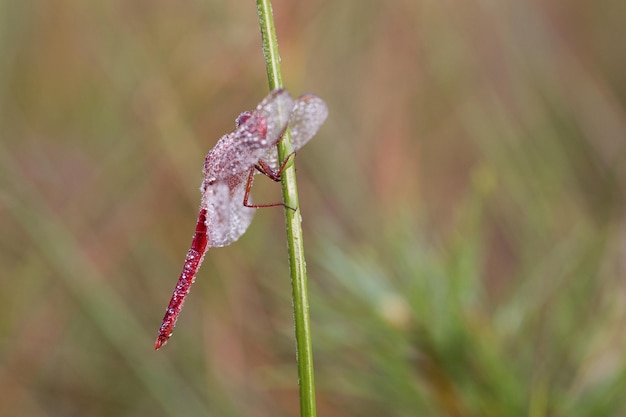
264 168
246 195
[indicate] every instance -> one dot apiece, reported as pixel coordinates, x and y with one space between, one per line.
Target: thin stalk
297 265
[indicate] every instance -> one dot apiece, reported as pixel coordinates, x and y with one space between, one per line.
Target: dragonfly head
252 123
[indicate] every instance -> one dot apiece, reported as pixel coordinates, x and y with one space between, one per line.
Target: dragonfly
226 208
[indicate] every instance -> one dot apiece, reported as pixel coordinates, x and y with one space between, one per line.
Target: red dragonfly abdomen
194 258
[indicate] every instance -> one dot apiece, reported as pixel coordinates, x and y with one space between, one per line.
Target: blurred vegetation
463 209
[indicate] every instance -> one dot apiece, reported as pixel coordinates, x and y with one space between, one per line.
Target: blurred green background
463 209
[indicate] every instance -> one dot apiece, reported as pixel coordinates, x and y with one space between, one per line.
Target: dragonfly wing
308 115
276 109
227 217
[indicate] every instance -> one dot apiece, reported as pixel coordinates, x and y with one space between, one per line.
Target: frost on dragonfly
223 218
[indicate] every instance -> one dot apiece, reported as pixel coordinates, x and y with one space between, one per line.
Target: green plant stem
297 263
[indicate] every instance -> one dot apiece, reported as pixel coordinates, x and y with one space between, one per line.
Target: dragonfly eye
241 119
